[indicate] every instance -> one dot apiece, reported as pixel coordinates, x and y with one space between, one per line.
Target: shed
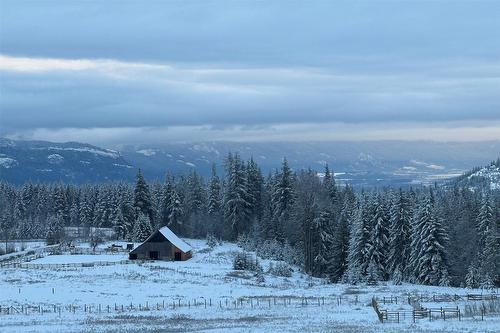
163 244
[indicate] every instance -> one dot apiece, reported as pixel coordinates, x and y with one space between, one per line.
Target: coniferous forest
438 235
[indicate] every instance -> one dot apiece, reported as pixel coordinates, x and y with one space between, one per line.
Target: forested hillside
435 235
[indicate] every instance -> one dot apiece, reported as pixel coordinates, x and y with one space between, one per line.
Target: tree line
430 235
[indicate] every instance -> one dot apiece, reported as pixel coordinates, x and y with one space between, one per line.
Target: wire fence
223 303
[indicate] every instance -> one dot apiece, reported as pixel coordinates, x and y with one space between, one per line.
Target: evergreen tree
342 235
175 219
380 239
142 227
400 216
142 196
214 193
472 277
329 185
429 258
283 197
360 241
324 258
55 230
236 205
168 189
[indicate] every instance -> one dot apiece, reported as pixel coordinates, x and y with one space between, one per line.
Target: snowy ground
212 298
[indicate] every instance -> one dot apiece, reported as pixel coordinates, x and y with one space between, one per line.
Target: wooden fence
431 314
69 265
452 298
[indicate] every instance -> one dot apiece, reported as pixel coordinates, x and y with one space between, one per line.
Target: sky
124 72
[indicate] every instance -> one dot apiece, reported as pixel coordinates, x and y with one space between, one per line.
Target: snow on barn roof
172 238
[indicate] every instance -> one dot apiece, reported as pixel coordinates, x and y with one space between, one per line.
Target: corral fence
452 298
222 303
414 315
69 265
23 261
433 313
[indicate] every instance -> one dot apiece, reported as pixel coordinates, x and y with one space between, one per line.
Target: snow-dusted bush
272 249
259 275
280 269
211 241
243 261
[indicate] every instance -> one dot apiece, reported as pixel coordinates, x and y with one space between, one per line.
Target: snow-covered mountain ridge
361 164
70 162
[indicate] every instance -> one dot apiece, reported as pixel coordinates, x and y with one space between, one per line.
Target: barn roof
176 241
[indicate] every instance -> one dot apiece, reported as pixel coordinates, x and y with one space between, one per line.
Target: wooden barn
162 245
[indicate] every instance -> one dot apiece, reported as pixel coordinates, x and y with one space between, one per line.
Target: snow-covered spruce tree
359 242
372 273
59 201
329 186
429 257
120 226
301 228
255 189
283 197
490 258
488 254
236 205
214 205
341 235
55 230
142 227
400 219
142 196
485 219
266 225
85 211
214 193
472 277
380 239
323 261
167 196
195 201
175 219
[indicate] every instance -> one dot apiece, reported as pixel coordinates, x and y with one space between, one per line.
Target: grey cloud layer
217 64
120 94
251 32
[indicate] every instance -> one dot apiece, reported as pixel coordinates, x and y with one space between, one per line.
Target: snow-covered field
145 297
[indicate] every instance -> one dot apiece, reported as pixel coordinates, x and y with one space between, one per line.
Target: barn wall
165 250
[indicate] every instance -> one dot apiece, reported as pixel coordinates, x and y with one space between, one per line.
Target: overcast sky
110 72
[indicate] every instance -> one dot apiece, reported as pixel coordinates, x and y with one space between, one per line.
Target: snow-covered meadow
201 294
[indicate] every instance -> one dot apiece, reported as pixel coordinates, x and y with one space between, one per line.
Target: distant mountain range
373 163
22 161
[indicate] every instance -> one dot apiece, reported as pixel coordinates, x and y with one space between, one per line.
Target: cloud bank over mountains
204 71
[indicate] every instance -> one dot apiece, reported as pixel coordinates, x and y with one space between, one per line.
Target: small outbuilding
163 244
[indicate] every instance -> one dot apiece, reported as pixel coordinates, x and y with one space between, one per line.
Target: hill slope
71 162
